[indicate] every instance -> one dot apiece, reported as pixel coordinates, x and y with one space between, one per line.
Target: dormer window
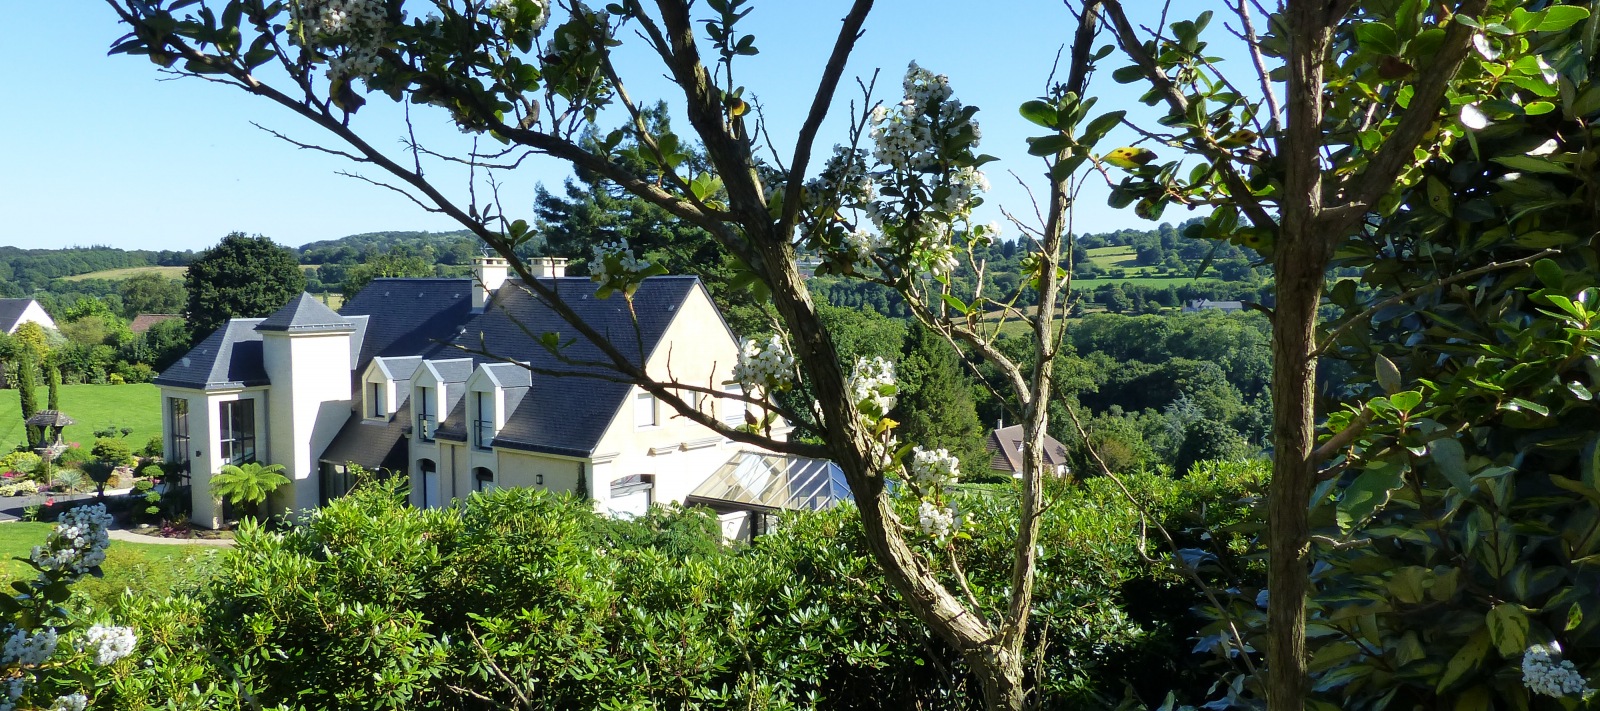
427 414
482 419
376 407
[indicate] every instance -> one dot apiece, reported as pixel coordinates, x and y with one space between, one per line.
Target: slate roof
564 413
374 444
143 322
409 317
10 311
1006 446
305 313
228 358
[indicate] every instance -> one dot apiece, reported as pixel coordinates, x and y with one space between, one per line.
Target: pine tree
935 407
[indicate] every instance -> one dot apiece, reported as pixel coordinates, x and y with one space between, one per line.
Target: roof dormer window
377 402
483 425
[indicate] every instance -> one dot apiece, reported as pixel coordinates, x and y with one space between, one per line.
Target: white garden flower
767 366
78 543
1543 674
628 265
28 650
70 702
14 689
936 522
872 385
934 467
348 32
109 643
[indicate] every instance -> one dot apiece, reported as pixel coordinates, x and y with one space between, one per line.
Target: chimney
488 273
548 267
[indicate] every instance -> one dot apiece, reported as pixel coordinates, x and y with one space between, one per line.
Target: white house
1227 307
15 312
398 380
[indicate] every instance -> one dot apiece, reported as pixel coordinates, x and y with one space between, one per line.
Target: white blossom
509 9
109 643
934 467
349 32
862 245
936 522
1543 674
14 689
765 366
627 264
70 702
78 543
28 650
872 385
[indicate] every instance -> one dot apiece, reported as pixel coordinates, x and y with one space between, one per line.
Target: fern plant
246 486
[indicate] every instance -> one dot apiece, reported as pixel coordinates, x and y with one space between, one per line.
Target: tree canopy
243 276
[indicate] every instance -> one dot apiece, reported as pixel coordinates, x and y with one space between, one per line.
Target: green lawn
124 273
145 568
94 407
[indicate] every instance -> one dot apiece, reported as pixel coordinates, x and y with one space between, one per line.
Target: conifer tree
935 405
27 389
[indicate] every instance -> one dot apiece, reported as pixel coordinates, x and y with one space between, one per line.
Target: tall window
427 416
483 420
238 420
179 427
430 494
644 410
375 406
733 410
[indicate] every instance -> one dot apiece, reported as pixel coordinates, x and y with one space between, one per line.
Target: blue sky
106 150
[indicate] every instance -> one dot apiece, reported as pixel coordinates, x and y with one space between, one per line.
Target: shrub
114 450
72 456
155 448
20 488
70 480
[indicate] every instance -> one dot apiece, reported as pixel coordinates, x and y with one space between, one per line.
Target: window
238 421
482 479
428 492
733 410
483 420
427 416
375 404
179 427
644 410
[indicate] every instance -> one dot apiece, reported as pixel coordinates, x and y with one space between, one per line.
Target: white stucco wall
309 401
205 436
35 313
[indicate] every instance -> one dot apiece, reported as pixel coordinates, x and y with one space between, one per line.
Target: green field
1115 257
119 274
145 568
94 407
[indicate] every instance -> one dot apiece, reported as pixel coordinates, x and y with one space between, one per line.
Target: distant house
1227 307
143 322
389 383
1005 448
15 312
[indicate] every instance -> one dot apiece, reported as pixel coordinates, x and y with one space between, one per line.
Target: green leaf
1406 401
1532 164
1465 660
1589 462
955 303
1100 126
1410 649
1378 38
1451 459
1048 145
1561 17
1508 628
1409 584
1368 493
1550 273
1040 113
1388 374
1574 617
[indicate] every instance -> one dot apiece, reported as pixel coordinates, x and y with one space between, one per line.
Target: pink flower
50 501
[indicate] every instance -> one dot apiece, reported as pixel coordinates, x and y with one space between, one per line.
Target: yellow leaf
1129 158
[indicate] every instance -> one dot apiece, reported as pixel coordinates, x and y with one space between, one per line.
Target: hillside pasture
124 273
93 406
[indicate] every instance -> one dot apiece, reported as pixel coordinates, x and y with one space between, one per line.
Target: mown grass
93 407
144 568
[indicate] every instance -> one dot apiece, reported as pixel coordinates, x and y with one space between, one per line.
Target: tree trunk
1000 676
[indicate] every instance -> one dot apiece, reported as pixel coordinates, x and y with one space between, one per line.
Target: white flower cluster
510 10
907 138
109 643
936 522
352 30
1542 674
14 689
28 650
934 468
78 543
872 385
862 245
767 366
70 702
627 264
965 184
